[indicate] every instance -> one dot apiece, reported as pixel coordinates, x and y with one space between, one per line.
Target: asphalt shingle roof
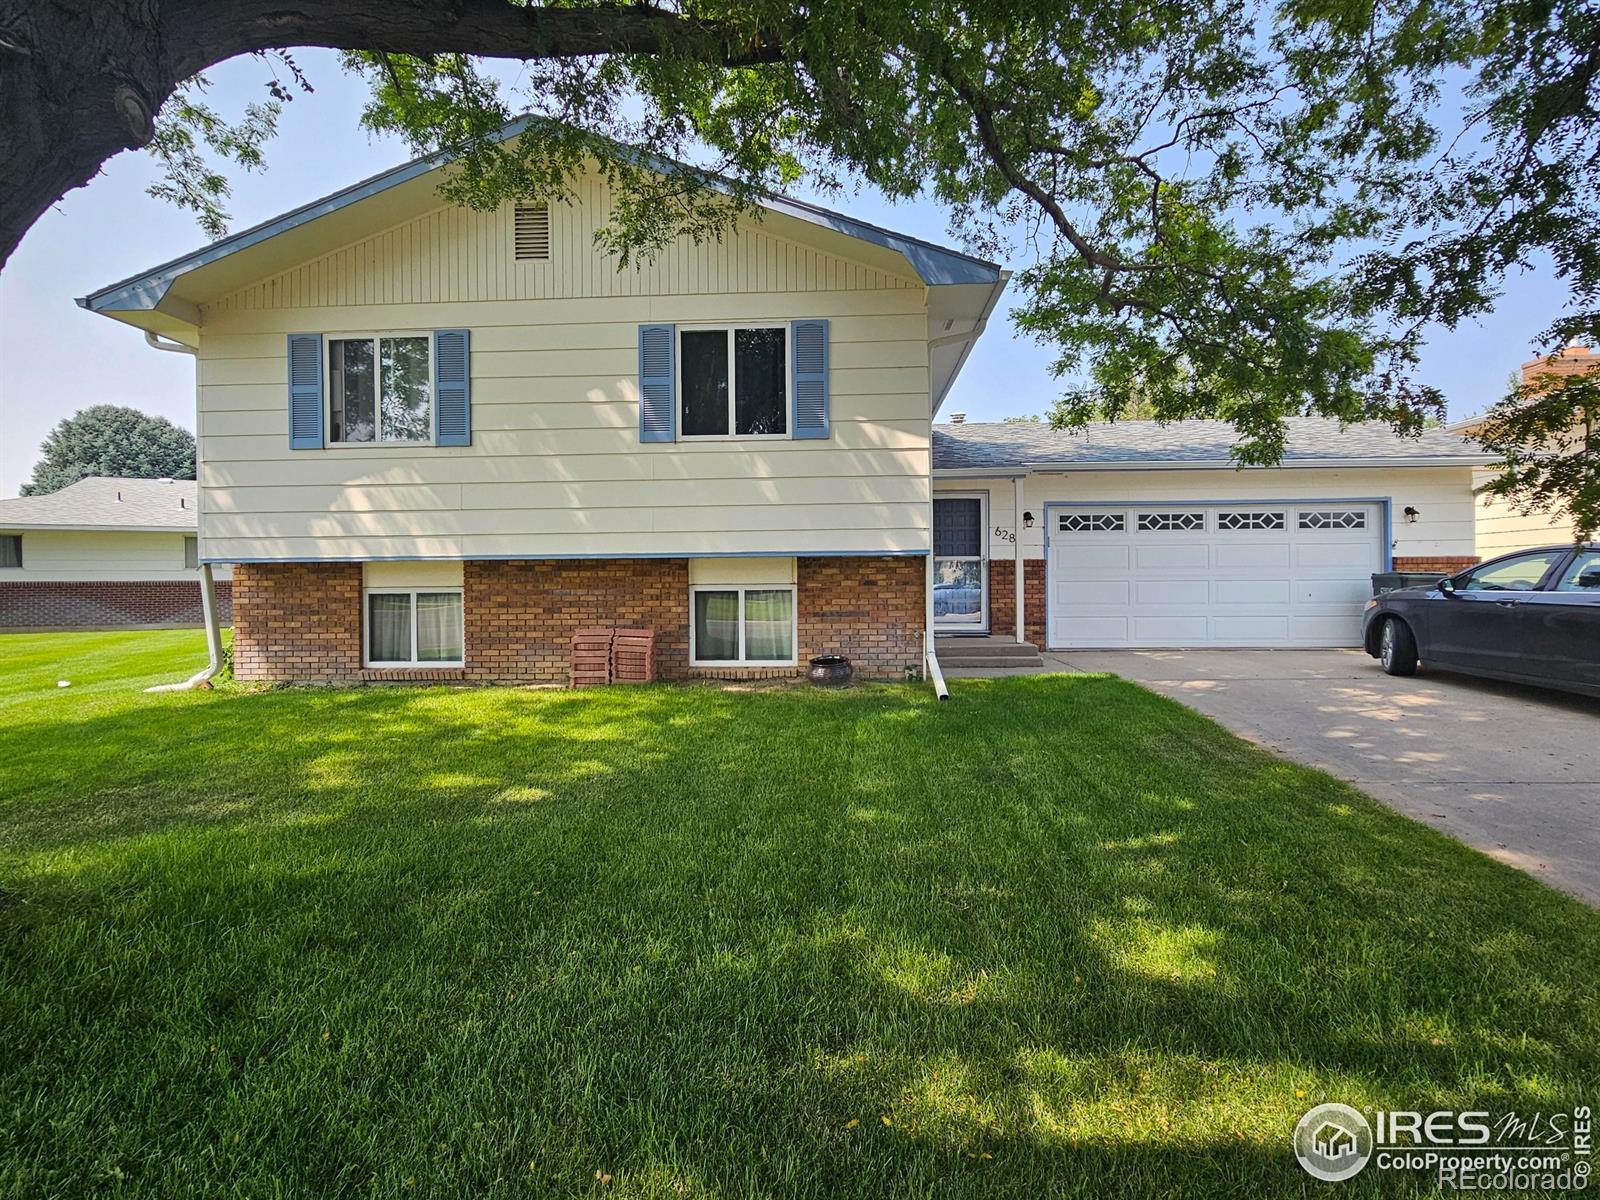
976 445
101 502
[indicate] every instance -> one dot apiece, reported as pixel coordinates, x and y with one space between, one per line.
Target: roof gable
177 287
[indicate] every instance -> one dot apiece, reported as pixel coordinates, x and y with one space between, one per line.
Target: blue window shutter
452 388
305 391
810 379
658 401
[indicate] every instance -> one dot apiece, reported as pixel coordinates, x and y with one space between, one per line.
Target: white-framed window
413 627
11 550
380 387
742 626
733 381
191 553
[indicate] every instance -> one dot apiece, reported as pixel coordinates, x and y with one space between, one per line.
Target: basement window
407 628
741 626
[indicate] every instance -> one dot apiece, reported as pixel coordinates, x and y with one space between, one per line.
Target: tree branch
483 28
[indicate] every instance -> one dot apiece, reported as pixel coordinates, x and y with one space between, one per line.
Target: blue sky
55 358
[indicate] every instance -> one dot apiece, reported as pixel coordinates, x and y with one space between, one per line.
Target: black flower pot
831 670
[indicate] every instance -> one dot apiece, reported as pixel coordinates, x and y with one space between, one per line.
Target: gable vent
533 231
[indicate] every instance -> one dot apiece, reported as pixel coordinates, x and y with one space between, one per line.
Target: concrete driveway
1512 771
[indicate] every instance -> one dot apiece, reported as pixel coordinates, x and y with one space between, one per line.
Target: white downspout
1016 548
208 587
935 675
208 608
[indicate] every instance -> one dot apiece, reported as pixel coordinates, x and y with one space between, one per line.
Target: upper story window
11 550
734 381
380 388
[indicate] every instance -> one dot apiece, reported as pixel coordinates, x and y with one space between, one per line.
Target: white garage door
1243 573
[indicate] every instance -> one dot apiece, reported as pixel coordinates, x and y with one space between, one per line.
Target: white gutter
1212 464
208 585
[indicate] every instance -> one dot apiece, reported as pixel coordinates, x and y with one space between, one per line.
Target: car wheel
1397 648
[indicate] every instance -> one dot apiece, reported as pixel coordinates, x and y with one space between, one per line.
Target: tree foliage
107 439
1217 208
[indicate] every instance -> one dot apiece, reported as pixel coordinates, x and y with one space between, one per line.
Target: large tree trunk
81 80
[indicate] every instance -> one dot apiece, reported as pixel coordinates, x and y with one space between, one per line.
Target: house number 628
1005 535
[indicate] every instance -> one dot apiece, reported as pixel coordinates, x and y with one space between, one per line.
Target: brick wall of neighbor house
301 622
1443 565
107 604
1003 599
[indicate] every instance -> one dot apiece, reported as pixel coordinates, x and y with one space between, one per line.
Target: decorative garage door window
1250 520
1171 522
1333 518
1092 523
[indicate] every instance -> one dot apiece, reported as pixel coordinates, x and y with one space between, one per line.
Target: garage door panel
1090 631
1250 631
1265 593
1234 555
1292 575
1091 593
1151 630
1091 558
1341 555
1169 557
1334 591
1183 593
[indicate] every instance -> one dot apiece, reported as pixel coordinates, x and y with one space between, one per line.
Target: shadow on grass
1067 937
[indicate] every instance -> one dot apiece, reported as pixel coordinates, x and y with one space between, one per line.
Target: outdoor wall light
1027 520
1411 515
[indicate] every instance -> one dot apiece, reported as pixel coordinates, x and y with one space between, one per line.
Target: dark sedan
1529 617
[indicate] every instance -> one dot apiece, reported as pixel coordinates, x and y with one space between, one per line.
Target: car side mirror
1447 586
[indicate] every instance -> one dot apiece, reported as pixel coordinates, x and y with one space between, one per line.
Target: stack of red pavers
633 655
591 657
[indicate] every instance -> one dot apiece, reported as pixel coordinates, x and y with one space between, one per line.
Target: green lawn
1058 936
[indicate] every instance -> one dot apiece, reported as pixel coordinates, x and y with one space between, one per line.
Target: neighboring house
102 553
1134 533
1500 527
436 442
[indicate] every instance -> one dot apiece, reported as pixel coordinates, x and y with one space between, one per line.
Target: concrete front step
967 648
1008 663
961 654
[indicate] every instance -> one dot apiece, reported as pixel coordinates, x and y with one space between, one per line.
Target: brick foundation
1003 598
1444 565
301 622
43 604
297 622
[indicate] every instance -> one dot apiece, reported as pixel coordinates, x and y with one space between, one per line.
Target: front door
960 575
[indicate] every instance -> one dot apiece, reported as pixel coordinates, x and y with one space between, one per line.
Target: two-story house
435 442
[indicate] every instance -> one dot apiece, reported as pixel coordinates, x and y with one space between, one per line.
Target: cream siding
70 555
556 466
1502 529
1442 496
